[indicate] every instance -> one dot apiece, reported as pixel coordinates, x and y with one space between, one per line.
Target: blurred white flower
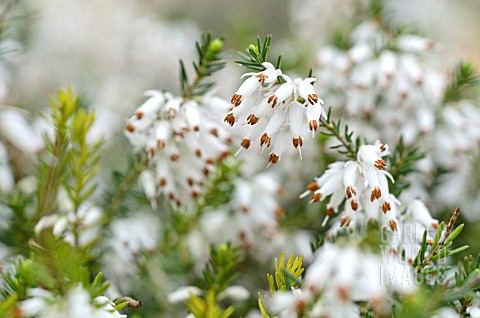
76 304
129 239
78 228
183 141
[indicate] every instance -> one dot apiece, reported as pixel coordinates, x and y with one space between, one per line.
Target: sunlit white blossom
274 112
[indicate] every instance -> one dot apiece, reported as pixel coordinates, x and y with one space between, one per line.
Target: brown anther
312 186
273 158
404 94
313 98
236 99
343 293
214 132
161 144
139 115
313 125
252 119
380 164
265 140
386 207
190 182
300 307
230 119
435 226
205 171
261 78
162 182
376 194
244 209
224 155
242 235
297 142
178 203
329 211
345 221
383 147
196 128
354 205
245 143
229 140
410 261
174 157
393 251
316 197
195 194
350 192
393 225
198 153
430 242
279 213
210 161
272 100
171 196
151 151
130 128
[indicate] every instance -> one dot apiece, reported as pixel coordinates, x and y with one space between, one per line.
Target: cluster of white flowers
339 277
405 243
130 239
380 72
76 304
275 112
182 139
393 83
362 183
249 220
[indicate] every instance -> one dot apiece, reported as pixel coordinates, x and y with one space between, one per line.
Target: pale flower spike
269 108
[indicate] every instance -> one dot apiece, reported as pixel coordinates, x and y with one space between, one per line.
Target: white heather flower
362 183
16 130
249 220
183 293
235 292
339 278
7 180
80 227
275 112
130 238
183 141
76 304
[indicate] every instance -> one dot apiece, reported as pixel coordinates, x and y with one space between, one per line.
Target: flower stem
349 147
121 192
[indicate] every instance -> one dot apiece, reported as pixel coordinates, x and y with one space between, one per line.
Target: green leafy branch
125 182
467 281
348 145
221 268
462 78
209 61
53 163
402 162
257 55
219 272
286 276
441 246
